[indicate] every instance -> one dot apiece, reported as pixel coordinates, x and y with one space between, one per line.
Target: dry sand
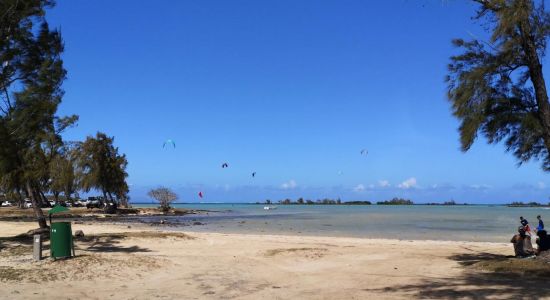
118 262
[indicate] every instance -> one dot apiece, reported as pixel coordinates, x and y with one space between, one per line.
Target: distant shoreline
321 204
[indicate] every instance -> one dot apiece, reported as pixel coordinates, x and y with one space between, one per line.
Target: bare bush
164 196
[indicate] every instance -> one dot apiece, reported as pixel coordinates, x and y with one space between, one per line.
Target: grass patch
11 274
156 234
137 234
17 250
515 267
274 252
81 267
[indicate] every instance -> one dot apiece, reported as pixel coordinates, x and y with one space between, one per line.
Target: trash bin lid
57 209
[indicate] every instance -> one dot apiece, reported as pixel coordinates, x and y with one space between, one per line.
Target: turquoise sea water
484 223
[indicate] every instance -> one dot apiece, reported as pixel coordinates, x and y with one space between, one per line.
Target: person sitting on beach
541 224
543 241
525 225
522 243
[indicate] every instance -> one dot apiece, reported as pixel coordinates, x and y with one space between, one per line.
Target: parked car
93 203
6 203
27 204
110 208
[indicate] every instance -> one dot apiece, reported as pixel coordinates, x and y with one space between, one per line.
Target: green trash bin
61 236
61 240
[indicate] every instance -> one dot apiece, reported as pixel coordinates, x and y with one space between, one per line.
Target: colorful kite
169 142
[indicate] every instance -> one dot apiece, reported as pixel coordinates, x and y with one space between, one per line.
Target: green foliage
33 157
31 74
396 201
530 204
497 88
101 167
63 177
358 203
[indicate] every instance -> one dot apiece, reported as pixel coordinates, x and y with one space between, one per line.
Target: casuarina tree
497 86
101 167
31 74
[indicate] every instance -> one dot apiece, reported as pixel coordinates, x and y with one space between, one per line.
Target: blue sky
292 90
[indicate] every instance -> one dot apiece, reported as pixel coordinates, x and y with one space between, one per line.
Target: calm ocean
484 223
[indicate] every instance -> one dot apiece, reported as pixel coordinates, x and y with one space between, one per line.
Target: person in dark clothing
543 241
541 224
523 221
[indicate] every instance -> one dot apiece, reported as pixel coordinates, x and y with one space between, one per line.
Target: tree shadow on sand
486 275
107 244
18 240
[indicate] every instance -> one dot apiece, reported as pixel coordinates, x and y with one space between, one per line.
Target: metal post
37 247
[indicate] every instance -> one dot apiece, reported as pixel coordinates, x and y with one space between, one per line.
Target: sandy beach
138 262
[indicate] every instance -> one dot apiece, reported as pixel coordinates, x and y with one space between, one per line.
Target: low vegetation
326 201
396 201
529 204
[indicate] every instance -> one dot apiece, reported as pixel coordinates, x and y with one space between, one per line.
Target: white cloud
407 184
480 186
541 185
442 187
291 184
359 188
383 183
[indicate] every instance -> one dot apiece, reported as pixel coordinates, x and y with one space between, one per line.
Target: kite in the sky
200 194
364 152
169 142
340 172
224 165
253 174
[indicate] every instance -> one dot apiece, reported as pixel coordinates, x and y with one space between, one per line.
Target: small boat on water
270 207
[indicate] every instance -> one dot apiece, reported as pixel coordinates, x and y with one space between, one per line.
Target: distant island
327 201
302 201
452 202
396 201
529 204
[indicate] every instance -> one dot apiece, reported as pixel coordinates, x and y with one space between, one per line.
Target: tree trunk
56 196
537 78
124 202
104 197
45 202
20 200
35 206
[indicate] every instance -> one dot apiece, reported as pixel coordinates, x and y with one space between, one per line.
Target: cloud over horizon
359 188
408 184
383 183
291 184
477 193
